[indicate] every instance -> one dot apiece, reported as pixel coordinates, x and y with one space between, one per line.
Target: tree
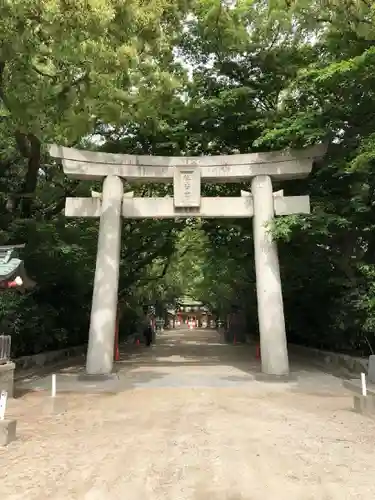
66 69
292 75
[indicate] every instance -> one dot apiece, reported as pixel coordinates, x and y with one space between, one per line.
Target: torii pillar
271 320
104 300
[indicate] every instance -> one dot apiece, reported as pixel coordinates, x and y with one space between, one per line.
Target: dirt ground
193 424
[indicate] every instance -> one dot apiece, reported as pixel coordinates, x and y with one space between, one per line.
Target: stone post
104 301
274 352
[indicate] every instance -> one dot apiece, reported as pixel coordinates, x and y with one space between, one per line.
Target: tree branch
163 273
68 86
59 205
132 277
2 92
166 266
30 148
44 75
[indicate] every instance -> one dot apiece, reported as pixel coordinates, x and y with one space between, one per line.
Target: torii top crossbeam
280 165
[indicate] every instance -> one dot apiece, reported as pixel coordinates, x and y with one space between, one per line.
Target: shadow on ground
176 360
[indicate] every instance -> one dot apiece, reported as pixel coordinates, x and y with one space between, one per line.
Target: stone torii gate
187 174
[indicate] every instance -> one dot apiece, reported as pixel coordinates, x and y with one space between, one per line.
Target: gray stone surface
333 361
288 205
371 368
142 379
364 405
268 282
76 382
104 301
165 208
7 431
264 377
231 168
49 357
355 385
210 207
97 378
187 187
83 207
7 378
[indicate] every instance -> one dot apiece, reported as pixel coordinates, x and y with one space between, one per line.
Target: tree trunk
30 148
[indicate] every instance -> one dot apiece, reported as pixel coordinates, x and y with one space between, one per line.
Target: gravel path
193 424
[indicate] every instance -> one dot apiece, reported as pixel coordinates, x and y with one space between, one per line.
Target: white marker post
53 390
3 404
363 382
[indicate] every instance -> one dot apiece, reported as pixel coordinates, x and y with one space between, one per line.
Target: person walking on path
147 329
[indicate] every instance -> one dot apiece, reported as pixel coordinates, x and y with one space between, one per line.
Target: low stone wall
35 361
49 357
7 378
334 361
